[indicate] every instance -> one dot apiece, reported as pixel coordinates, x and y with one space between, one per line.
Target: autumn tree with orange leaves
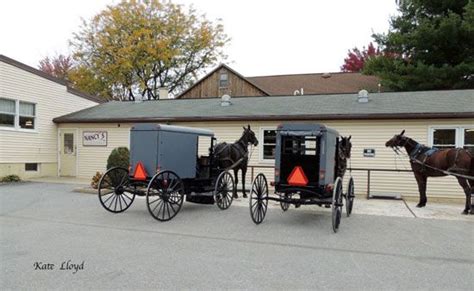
131 49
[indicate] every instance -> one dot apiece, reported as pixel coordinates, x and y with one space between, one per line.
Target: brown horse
431 162
344 153
236 156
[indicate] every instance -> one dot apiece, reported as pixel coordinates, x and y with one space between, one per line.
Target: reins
412 159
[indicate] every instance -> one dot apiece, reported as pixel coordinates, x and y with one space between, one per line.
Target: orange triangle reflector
297 177
140 173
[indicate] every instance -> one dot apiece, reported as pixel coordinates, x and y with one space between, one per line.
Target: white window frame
459 133
16 125
261 138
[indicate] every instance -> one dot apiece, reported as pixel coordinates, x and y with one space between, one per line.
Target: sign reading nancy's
94 138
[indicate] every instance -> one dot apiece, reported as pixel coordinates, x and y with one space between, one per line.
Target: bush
119 157
95 180
11 178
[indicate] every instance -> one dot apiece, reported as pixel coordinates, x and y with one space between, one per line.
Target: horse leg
244 171
421 180
467 191
236 182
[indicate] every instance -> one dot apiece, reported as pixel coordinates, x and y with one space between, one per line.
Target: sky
267 37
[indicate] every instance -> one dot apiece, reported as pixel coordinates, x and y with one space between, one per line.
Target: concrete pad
440 211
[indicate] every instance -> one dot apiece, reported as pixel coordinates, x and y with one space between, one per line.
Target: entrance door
67 152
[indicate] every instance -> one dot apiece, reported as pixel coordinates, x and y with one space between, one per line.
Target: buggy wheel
285 205
223 193
350 197
259 199
336 204
164 196
115 194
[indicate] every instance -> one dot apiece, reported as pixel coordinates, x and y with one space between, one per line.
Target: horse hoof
419 205
465 212
245 196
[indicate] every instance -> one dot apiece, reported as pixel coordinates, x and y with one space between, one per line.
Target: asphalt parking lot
44 224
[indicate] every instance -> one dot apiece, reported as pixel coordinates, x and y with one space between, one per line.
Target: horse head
397 140
249 136
346 146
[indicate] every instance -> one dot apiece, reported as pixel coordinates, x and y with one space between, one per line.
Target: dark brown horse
431 162
344 153
236 156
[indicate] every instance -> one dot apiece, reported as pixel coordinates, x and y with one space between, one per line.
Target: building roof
42 74
389 105
319 83
326 83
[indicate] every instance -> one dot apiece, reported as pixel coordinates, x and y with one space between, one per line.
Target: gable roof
321 83
312 84
42 74
389 105
215 70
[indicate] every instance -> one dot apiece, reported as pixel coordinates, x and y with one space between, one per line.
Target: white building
29 100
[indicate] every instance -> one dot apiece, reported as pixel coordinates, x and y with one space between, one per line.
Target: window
31 167
224 80
17 114
7 112
68 143
444 138
453 137
27 115
469 139
269 143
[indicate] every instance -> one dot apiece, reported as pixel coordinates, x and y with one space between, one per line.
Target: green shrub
11 178
119 157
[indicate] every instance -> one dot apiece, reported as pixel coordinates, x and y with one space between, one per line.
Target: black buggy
308 160
165 167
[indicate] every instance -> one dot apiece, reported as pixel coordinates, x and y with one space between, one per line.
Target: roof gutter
455 115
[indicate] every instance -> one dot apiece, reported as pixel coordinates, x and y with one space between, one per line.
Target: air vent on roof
298 92
225 100
363 96
326 75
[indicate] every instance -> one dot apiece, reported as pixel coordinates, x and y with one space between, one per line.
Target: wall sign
94 138
369 153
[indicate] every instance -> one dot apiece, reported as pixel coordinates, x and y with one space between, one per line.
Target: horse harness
242 150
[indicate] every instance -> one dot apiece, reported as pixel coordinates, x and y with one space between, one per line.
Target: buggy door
302 151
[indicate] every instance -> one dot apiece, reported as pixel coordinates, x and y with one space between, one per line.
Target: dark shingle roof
391 105
317 83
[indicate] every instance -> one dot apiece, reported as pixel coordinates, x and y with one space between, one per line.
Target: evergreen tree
429 46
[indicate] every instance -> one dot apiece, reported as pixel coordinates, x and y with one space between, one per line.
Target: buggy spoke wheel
114 190
350 197
164 196
336 205
224 189
259 199
285 205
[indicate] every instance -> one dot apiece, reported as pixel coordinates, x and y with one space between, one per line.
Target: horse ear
248 125
244 127
403 131
349 137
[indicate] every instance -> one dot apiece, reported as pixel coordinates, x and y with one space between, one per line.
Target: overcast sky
267 37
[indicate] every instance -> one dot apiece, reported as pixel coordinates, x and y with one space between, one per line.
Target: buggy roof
172 128
305 129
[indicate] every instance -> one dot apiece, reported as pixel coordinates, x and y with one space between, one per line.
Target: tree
58 66
355 60
430 45
136 47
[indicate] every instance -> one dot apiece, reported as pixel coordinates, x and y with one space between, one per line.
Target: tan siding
52 100
365 134
209 87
